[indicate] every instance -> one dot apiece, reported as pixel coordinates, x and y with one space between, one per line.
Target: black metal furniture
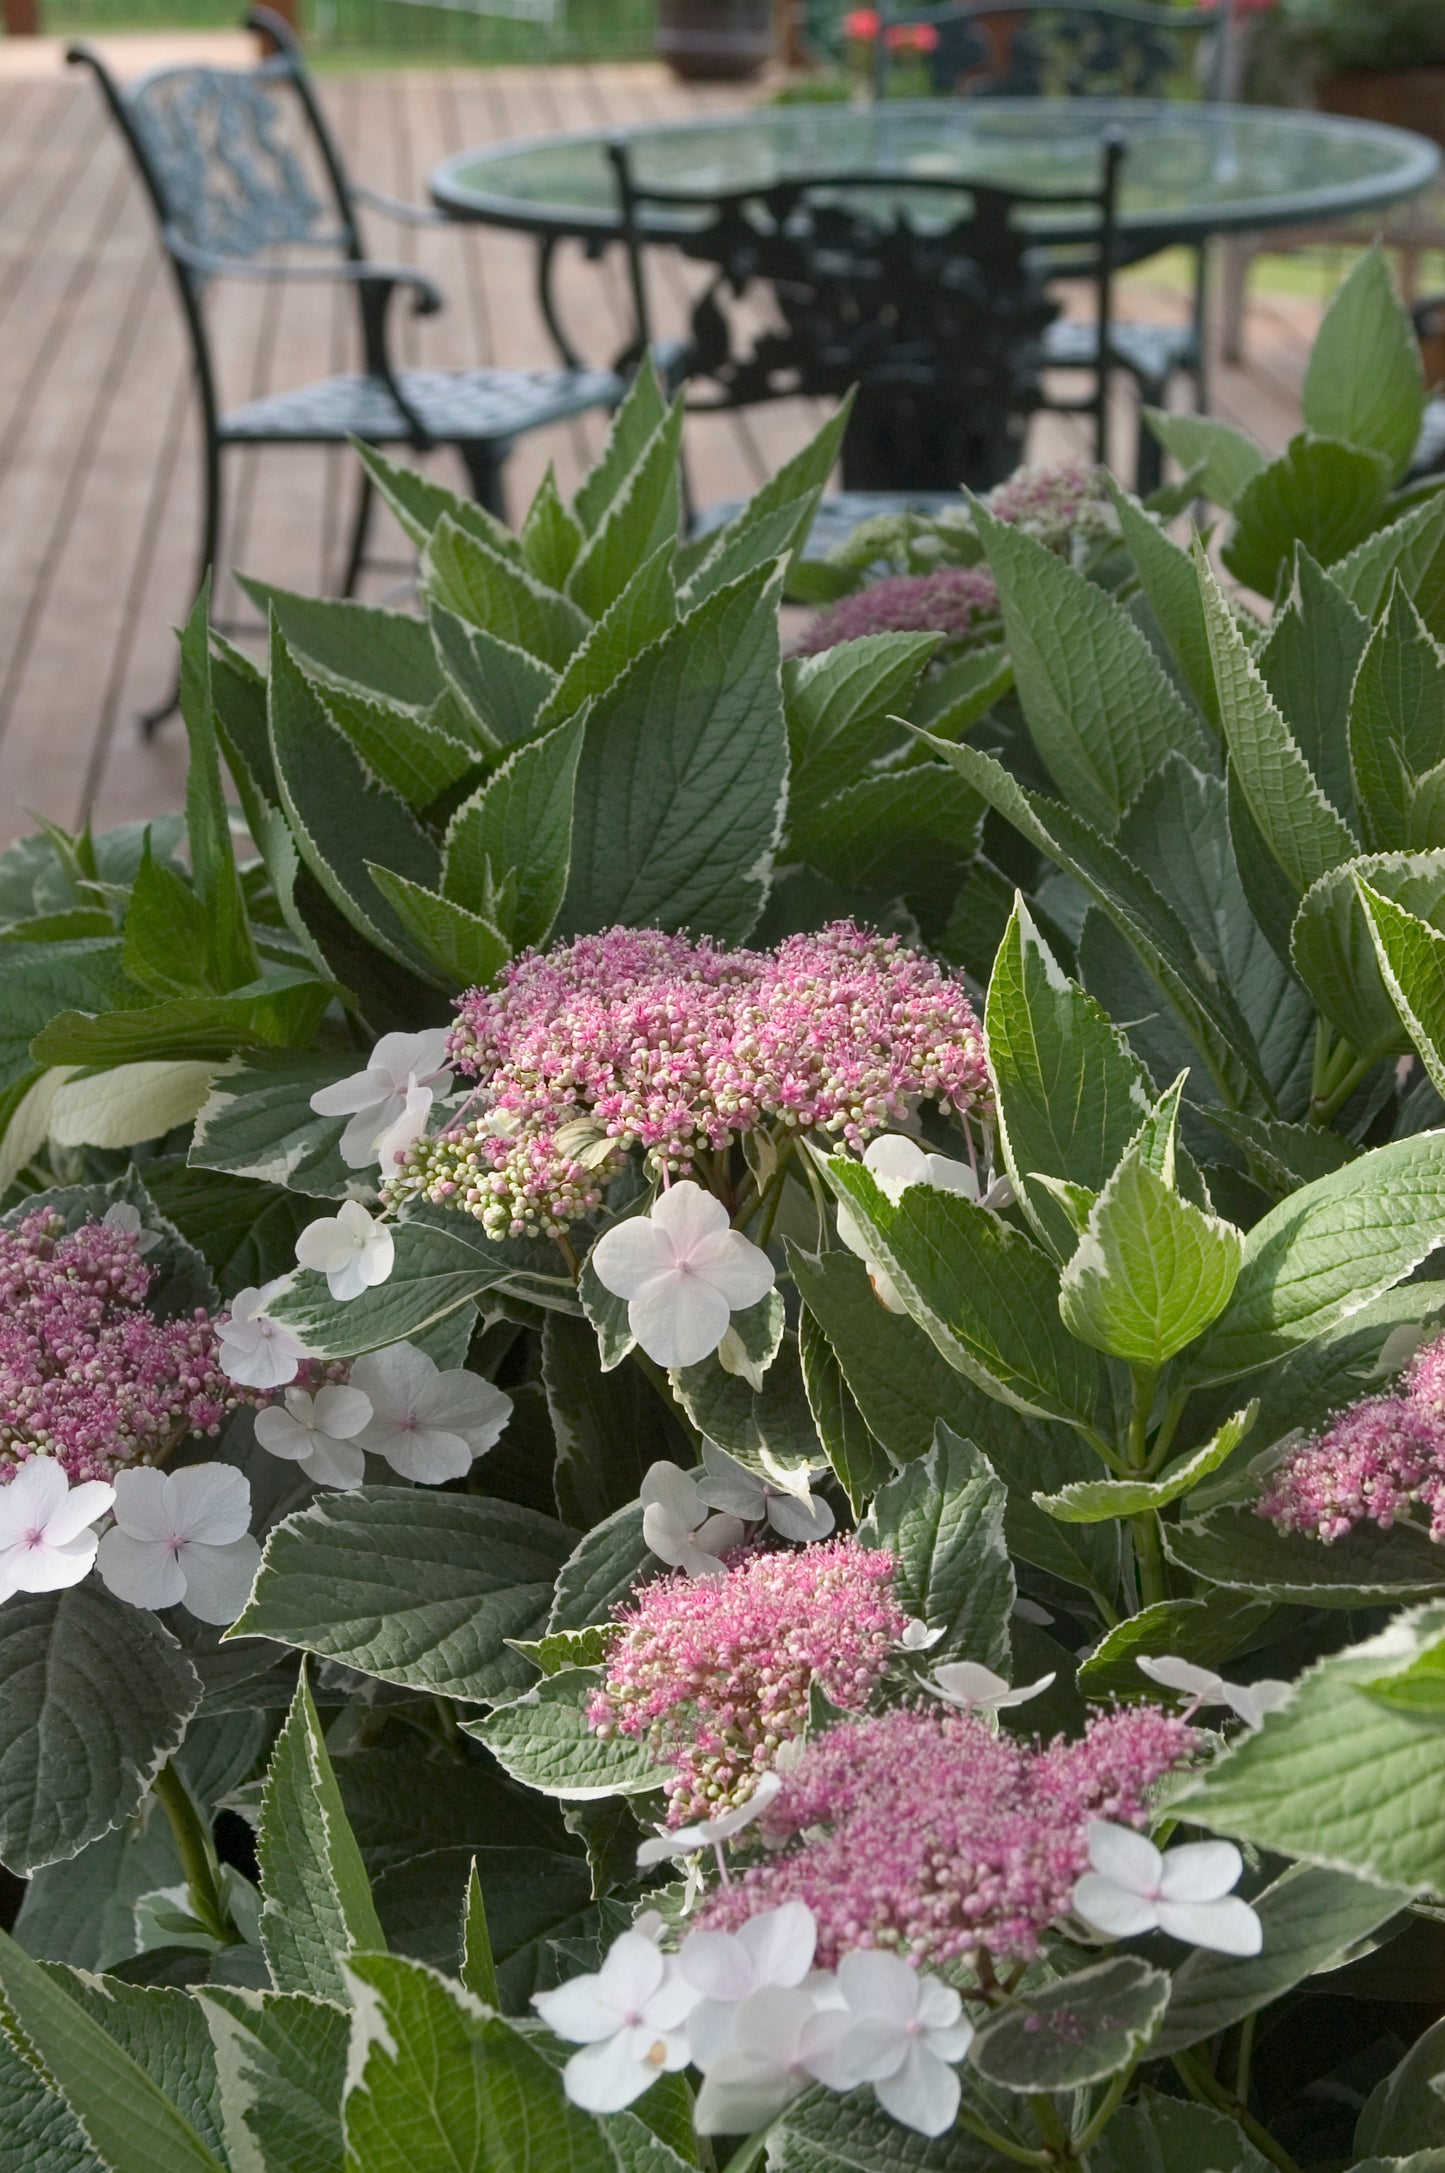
1088 49
934 303
240 164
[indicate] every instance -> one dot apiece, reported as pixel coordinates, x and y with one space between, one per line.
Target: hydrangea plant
720 1418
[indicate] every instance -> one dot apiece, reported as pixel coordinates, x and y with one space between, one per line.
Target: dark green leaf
318 1908
416 1587
96 1692
1073 2033
943 1521
389 652
501 686
1364 382
521 819
1320 492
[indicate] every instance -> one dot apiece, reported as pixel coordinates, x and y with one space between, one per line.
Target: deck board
99 444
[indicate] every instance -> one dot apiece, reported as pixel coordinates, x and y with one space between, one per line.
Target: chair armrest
427 295
394 207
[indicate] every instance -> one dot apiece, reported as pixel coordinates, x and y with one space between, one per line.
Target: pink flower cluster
713 1674
1372 1463
1056 504
86 1375
637 1038
949 601
939 1837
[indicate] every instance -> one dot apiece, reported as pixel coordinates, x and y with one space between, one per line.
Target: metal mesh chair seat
452 406
1150 352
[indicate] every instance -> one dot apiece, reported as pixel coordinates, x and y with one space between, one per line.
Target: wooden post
22 18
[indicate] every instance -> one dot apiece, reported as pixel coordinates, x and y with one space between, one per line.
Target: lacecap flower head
713 1673
640 1039
86 1374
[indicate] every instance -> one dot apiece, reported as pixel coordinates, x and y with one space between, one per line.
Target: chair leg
485 459
360 529
1149 453
151 719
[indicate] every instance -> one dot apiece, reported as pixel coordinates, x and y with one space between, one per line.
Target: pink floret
714 1673
950 601
928 1834
86 1374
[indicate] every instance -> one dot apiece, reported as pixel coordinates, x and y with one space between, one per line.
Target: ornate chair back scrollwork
239 166
929 295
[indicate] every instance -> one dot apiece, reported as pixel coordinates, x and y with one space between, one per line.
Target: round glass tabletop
1191 170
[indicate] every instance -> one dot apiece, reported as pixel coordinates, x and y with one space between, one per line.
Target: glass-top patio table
1189 172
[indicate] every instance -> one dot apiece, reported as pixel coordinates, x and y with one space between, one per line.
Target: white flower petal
666 1487
142 1504
577 2011
81 1506
629 1255
923 2095
334 1463
1252 1701
219 1579
406 1127
48 1569
967 1682
1227 1927
895 1163
729 1485
678 1319
424 1056
1200 1871
32 1497
944 1175
799 1520
143 1572
741 2091
281 1433
717 1535
605 2077
687 1216
1177 1674
1129 1858
874 1982
458 1402
346 1097
939 2007
1116 1910
718 1966
632 1971
211 1503
737 1268
340 1410
424 1454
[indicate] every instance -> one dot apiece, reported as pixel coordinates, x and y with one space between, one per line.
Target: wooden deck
98 439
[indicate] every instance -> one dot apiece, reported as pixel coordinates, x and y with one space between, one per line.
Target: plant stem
747 2155
1206 2090
1051 2128
1105 2112
1243 2057
1325 1112
1148 1547
1006 2148
197 1852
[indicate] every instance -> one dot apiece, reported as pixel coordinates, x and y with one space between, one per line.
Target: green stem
197 1852
1003 2144
1319 1068
1105 2112
1325 1111
1148 1547
769 1199
1242 2058
1051 2128
1206 2090
1168 1427
748 2154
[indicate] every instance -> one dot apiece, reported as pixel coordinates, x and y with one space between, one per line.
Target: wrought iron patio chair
1089 48
227 159
937 313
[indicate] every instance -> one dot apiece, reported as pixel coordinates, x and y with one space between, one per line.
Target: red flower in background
861 23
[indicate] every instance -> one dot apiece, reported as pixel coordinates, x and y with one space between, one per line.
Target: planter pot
715 40
1405 97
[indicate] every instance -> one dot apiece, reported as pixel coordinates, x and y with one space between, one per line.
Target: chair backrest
1060 48
223 154
881 283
